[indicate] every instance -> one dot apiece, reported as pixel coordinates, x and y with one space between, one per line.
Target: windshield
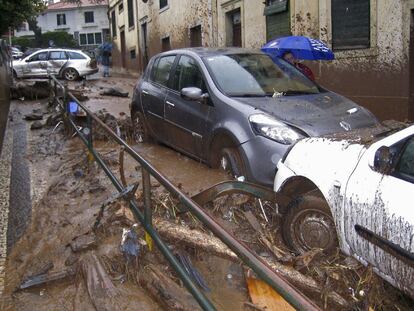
257 75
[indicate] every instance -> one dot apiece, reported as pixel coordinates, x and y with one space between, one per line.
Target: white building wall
75 21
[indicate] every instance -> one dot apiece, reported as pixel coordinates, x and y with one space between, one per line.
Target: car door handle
170 103
145 92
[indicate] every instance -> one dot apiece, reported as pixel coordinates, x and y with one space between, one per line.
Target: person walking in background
106 52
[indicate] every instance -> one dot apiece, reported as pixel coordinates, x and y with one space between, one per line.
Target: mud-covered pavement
68 194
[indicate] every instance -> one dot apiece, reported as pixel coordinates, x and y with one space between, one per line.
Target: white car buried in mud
355 190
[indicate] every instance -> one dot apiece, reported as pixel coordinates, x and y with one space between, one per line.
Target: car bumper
87 72
261 156
283 173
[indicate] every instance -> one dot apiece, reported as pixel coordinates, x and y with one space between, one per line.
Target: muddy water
114 105
181 170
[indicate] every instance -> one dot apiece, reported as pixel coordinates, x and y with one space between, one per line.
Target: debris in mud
129 245
114 91
54 119
36 125
166 291
79 95
30 90
34 116
122 127
47 278
264 297
83 242
102 292
184 258
78 173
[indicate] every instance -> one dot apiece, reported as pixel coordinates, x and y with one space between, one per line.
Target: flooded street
72 228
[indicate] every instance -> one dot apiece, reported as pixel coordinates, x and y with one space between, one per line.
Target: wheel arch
62 70
222 138
297 186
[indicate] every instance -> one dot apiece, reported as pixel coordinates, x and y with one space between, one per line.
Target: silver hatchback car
66 63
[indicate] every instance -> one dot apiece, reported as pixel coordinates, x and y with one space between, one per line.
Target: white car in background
355 190
66 63
16 53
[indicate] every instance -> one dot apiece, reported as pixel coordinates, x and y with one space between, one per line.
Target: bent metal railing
277 282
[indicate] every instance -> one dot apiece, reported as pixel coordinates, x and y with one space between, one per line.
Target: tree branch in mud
194 238
170 295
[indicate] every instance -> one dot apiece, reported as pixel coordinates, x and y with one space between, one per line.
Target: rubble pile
122 126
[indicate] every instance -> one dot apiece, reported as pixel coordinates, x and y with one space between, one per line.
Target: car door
36 65
153 94
380 203
186 120
57 59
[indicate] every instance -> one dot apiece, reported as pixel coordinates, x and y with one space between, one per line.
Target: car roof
58 50
207 52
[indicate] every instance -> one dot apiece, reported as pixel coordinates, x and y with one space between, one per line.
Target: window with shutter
350 24
130 13
277 19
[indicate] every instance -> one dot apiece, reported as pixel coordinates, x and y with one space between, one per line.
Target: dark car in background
235 108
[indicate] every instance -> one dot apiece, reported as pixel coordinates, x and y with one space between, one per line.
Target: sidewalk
5 170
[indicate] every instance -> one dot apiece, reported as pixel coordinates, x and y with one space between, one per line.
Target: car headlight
269 127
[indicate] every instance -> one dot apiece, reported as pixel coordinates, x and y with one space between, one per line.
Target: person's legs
106 71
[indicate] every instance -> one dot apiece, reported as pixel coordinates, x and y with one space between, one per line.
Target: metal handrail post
146 185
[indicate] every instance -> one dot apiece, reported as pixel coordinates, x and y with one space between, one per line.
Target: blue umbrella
301 48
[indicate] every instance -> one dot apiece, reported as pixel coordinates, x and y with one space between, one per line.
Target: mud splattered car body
367 182
66 63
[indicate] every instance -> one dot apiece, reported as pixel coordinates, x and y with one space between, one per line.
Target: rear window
76 55
161 71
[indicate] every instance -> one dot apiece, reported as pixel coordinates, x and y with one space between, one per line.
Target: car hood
315 114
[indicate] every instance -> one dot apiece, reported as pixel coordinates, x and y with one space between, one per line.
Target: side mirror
383 160
193 93
27 60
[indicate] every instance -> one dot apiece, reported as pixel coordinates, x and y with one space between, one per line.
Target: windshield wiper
296 92
248 95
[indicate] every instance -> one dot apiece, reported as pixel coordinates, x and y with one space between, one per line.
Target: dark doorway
123 48
411 78
144 44
234 28
195 36
165 44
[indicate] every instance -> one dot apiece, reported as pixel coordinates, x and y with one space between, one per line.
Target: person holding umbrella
293 48
290 58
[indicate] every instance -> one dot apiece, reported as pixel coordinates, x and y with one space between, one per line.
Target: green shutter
276 7
350 24
278 25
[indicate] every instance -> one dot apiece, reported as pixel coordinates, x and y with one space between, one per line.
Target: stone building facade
372 39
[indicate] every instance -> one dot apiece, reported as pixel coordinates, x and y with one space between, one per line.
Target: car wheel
309 224
141 134
231 162
70 74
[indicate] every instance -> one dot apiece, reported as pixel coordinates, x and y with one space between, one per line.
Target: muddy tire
309 224
70 74
140 130
231 162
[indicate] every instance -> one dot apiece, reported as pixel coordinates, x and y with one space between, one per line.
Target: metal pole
146 184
